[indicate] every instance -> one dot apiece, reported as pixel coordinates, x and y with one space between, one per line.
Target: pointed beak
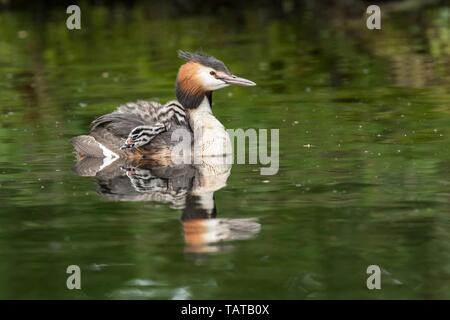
232 79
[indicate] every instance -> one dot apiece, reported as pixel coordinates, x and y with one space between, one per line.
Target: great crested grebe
143 129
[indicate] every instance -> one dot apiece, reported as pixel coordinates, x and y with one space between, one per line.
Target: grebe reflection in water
188 188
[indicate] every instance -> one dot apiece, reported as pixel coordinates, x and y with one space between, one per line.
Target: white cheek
210 82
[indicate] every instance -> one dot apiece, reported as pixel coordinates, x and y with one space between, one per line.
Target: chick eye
213 73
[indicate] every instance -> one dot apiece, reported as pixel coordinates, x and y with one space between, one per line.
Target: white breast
210 136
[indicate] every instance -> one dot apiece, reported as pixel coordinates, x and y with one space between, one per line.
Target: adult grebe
143 129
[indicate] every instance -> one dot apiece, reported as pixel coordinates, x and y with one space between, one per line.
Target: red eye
212 73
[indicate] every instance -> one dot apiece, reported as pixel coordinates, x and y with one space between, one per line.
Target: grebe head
201 75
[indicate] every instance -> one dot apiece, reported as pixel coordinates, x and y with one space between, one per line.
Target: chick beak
232 79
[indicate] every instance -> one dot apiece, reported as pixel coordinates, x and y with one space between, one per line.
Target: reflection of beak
232 79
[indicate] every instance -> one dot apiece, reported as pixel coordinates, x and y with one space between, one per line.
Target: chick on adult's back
143 129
